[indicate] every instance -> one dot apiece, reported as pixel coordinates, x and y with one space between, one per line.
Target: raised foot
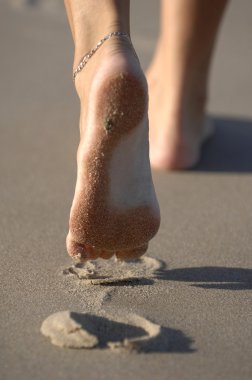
83 252
114 210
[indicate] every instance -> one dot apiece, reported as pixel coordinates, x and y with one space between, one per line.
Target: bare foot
178 126
114 210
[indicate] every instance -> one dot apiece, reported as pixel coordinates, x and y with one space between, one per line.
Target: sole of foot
114 210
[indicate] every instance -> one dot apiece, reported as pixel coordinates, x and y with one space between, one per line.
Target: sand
45 5
82 330
114 271
69 329
73 330
64 331
202 299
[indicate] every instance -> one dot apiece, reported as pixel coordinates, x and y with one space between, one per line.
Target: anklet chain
84 60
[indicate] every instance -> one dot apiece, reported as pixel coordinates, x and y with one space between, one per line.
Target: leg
178 80
114 209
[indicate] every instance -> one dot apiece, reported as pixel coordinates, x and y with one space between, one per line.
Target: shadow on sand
209 277
108 331
230 149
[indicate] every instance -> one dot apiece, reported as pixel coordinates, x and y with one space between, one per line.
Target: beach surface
192 305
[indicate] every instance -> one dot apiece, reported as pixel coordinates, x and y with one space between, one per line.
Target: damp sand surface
97 325
213 305
83 330
102 272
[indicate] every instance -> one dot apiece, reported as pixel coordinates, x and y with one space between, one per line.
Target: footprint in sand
102 272
83 330
97 328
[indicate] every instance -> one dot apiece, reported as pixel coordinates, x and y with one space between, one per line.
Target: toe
81 252
132 254
104 254
92 252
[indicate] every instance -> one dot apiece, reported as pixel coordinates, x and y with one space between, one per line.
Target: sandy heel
116 210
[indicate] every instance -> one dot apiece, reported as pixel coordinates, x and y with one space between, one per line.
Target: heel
126 105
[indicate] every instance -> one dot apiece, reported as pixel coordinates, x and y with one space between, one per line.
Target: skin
178 79
114 210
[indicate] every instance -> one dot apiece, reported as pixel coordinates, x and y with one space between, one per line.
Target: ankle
115 55
92 23
85 43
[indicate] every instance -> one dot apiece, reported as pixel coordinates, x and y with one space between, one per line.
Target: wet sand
201 295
